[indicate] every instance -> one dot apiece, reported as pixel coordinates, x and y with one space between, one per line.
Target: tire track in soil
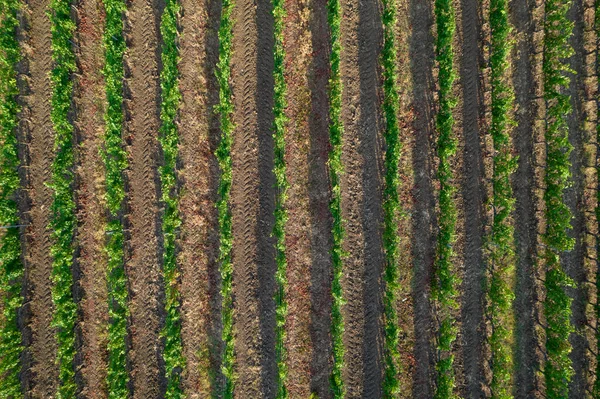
421 52
361 198
89 104
321 241
527 361
39 372
298 48
143 264
253 198
574 261
199 177
473 198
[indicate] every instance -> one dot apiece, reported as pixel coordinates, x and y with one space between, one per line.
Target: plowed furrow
199 243
423 218
473 200
89 102
40 377
320 219
299 345
143 265
245 203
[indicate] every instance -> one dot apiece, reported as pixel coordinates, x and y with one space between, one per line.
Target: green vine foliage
11 267
444 291
501 242
391 203
63 221
223 155
558 369
115 162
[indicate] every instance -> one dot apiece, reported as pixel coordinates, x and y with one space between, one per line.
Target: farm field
315 199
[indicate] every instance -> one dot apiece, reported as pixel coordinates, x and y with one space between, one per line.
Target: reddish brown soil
297 41
198 133
89 102
361 197
40 372
143 263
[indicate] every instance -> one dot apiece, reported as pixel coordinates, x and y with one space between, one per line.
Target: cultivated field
299 199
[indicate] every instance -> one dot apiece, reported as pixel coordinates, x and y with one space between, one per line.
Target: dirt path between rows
143 263
361 197
199 177
472 109
577 197
252 196
40 371
320 218
90 102
297 42
525 74
424 219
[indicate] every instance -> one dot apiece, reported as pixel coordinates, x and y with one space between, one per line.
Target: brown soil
526 180
423 217
143 263
361 197
472 109
199 242
320 217
89 102
297 41
40 371
577 197
252 196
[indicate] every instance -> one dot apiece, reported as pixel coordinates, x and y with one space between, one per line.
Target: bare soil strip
361 197
473 198
321 241
40 371
252 196
89 101
298 48
579 198
143 265
199 242
423 217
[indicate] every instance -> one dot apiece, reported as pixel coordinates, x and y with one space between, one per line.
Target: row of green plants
115 162
558 369
223 155
63 221
11 267
174 361
391 203
500 294
444 290
336 169
281 184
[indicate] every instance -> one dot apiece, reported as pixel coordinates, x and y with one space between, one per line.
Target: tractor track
298 49
252 194
40 373
143 261
198 177
90 103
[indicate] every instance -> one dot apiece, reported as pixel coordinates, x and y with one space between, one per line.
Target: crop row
281 184
223 155
444 290
596 389
115 162
501 241
558 369
391 204
336 169
171 334
11 267
63 221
